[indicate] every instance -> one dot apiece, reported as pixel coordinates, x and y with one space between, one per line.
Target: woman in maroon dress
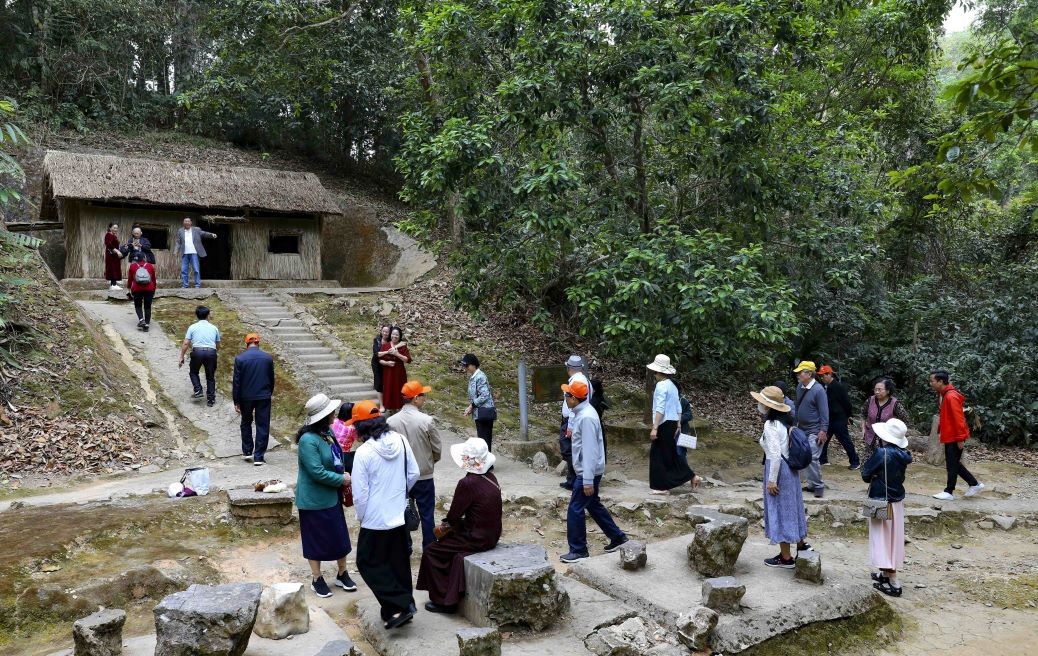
113 257
472 525
393 356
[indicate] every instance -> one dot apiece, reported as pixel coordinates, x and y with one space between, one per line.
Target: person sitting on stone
472 525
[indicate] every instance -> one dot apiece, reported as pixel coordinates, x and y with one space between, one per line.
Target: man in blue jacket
251 390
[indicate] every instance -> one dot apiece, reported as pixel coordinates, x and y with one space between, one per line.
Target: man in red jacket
954 433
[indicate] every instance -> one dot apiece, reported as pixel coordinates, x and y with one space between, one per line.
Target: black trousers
142 305
485 430
204 358
260 409
385 565
953 463
838 429
566 448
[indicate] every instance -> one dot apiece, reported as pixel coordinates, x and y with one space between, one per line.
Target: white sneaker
247 458
115 288
943 496
975 489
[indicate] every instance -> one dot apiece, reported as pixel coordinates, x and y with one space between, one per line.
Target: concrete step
290 323
320 361
350 389
326 366
353 397
339 377
316 349
301 341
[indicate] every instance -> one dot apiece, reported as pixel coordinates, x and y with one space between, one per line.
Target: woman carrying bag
885 473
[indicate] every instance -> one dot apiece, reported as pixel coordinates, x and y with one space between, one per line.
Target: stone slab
774 601
512 584
247 496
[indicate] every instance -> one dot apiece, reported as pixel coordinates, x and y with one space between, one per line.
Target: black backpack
598 399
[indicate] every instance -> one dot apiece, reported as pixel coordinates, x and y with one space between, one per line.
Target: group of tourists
141 281
188 248
821 409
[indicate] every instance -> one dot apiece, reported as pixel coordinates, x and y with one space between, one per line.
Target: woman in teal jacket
321 481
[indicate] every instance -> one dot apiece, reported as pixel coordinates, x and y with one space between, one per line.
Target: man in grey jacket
589 465
420 431
812 408
190 249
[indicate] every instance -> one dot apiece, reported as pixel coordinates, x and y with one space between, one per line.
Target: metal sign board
547 382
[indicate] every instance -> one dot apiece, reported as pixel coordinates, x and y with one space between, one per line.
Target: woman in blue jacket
885 473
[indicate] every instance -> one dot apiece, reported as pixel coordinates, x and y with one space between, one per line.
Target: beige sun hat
771 397
472 455
893 431
662 365
319 406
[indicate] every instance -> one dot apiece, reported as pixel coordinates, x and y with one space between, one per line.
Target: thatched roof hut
268 221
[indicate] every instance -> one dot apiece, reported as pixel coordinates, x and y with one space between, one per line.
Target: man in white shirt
575 367
189 246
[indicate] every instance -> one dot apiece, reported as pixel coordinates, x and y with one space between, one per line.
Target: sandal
879 577
887 589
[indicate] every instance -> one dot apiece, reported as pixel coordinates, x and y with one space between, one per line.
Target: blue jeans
576 525
261 410
424 495
186 262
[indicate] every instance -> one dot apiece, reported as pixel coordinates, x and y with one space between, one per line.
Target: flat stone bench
513 584
260 508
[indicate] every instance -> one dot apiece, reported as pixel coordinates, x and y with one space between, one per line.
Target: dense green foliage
738 183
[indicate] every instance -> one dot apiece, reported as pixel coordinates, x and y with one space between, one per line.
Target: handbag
347 494
485 414
412 520
879 508
688 441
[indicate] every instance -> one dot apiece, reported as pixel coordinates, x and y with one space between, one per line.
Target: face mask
761 410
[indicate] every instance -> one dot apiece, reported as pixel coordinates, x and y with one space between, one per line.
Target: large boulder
100 634
282 611
513 584
483 641
209 620
696 629
260 508
723 594
716 542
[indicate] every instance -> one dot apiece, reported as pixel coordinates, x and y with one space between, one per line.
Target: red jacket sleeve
953 418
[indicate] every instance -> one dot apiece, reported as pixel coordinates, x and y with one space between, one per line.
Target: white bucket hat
662 365
893 431
320 406
472 455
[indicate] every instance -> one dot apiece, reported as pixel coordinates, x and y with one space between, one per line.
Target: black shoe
140 324
441 608
400 620
806 547
573 557
197 394
854 467
819 492
320 588
342 580
566 486
880 578
779 561
616 544
886 588
145 328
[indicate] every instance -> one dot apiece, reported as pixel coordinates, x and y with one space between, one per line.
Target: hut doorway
217 263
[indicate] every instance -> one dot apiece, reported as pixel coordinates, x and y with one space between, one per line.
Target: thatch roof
154 182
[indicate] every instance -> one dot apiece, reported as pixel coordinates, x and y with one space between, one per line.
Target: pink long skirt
887 539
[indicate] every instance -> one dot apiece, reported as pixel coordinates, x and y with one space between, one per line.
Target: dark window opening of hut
157 235
283 244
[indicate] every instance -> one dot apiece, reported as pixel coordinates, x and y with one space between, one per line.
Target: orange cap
363 410
252 338
577 389
826 369
413 388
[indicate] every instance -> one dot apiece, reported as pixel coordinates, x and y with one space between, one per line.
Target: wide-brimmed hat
362 411
472 455
771 397
893 431
662 365
320 406
577 388
575 362
413 388
805 365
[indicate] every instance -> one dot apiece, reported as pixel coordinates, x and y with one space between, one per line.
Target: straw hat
320 406
893 431
662 365
771 397
472 455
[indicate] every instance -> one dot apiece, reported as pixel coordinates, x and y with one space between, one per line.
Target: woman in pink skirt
885 474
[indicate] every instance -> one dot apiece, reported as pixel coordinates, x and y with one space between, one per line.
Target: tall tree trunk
638 153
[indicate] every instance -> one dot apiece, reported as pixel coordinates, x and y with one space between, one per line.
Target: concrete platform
774 602
431 634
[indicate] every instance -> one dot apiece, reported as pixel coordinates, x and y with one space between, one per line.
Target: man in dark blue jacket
251 390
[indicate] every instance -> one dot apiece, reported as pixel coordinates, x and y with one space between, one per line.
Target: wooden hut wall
251 259
76 248
94 220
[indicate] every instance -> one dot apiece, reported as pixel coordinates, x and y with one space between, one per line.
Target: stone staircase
331 374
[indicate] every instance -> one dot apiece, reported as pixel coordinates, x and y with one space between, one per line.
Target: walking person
589 465
472 525
191 251
784 520
320 483
113 257
376 367
481 400
884 471
575 369
384 471
954 432
203 340
393 355
666 469
882 406
142 287
421 434
840 411
813 418
252 389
